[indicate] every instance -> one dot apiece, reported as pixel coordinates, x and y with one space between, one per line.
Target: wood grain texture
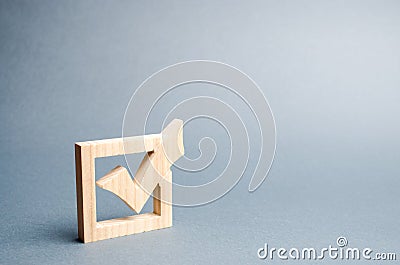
153 175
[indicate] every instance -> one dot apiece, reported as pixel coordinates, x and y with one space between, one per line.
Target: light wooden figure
154 174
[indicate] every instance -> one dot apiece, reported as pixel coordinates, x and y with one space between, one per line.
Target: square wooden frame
89 230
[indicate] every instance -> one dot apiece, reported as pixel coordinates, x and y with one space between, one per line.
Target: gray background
330 70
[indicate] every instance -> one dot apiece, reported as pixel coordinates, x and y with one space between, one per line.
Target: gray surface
330 70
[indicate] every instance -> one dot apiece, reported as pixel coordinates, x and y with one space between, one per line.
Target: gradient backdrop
330 70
